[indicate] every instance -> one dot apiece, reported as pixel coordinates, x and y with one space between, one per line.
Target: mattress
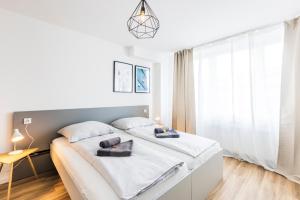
91 183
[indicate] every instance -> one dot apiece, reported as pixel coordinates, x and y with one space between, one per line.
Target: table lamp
16 137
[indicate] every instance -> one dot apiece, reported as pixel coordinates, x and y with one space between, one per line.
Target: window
237 84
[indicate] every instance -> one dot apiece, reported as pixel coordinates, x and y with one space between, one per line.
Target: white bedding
189 144
147 165
93 185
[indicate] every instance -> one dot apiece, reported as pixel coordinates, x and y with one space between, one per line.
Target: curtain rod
241 33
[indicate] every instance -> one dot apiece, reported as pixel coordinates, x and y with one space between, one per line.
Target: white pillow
132 122
80 131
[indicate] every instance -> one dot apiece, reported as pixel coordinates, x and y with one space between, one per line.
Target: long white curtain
289 143
238 94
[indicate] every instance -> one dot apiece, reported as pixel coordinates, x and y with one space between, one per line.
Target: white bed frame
195 186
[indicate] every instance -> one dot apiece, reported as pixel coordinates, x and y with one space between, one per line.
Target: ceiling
184 23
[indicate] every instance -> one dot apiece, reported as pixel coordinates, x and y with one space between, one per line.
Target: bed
77 175
198 161
82 181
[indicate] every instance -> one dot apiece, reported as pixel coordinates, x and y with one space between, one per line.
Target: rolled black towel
172 130
123 149
161 130
110 142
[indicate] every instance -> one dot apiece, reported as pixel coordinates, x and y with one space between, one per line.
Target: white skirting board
195 186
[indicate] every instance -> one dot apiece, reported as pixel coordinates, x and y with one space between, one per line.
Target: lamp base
16 152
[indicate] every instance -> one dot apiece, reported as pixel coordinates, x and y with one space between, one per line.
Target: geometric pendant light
143 23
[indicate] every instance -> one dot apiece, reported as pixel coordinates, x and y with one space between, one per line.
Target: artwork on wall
142 79
123 77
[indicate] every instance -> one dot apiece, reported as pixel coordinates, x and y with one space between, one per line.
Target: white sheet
189 144
93 185
147 165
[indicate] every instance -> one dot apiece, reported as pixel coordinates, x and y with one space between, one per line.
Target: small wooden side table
5 158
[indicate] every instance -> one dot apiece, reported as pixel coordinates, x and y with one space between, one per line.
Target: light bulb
142 13
142 17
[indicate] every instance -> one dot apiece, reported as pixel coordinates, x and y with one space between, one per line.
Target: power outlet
27 120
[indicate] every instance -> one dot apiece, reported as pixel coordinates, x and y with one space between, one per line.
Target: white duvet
129 176
192 145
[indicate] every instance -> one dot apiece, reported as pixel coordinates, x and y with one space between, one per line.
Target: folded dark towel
120 150
170 134
164 135
110 142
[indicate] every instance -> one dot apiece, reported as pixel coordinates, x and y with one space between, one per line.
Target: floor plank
246 181
46 187
241 181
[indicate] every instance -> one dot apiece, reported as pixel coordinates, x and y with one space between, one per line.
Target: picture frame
142 79
122 77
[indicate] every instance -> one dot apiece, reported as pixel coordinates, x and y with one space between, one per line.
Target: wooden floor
242 181
46 187
245 181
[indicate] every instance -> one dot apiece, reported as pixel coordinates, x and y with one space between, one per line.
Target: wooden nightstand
5 158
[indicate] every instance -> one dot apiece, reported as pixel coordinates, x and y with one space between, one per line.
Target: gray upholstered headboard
46 123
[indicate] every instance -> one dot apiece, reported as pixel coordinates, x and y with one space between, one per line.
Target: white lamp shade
17 136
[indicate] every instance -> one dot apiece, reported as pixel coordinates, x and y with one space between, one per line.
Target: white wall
43 66
156 94
166 86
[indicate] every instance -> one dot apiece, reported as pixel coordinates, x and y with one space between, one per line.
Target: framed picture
123 77
142 79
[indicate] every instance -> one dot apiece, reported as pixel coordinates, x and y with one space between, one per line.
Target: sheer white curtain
238 94
289 142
